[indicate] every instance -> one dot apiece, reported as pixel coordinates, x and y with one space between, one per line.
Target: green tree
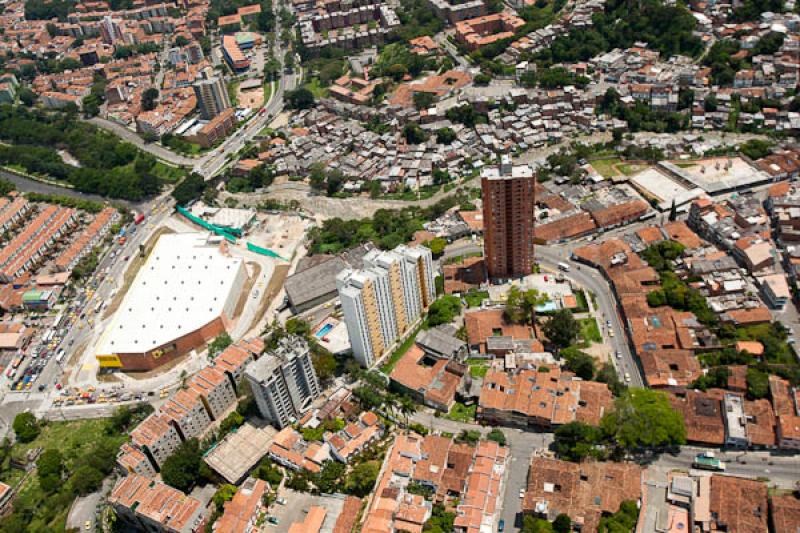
331 477
578 362
269 473
757 384
225 493
362 478
219 344
49 469
324 364
300 98
181 470
623 521
562 524
414 134
445 136
436 246
25 427
444 310
531 524
423 100
576 441
6 187
562 329
498 436
149 99
85 480
643 418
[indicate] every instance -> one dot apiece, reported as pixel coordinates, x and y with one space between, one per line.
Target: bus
47 336
60 356
707 461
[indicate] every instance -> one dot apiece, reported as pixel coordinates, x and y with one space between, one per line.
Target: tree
49 469
757 384
576 441
300 98
445 136
6 187
444 310
324 364
562 329
27 96
498 436
436 246
521 306
362 478
189 189
622 521
26 427
536 525
269 473
149 99
755 148
414 134
225 493
219 344
643 418
85 480
181 470
578 362
331 477
562 524
423 100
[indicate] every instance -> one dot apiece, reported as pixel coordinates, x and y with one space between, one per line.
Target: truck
138 219
564 267
708 461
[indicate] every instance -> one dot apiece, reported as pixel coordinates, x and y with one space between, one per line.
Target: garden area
462 413
75 458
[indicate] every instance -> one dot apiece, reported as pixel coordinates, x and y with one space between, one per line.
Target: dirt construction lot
251 98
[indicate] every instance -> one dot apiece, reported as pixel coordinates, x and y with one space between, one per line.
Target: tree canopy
644 418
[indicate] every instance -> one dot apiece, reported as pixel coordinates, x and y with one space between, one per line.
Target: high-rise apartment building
283 381
383 300
212 95
508 200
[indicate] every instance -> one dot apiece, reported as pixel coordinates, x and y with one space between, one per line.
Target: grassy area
580 298
590 332
77 441
474 298
233 93
316 89
401 350
268 89
462 413
411 195
478 371
630 169
606 166
169 173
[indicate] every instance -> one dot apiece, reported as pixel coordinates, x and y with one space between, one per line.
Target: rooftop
240 451
184 285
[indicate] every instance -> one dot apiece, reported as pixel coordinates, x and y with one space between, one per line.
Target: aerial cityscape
418 266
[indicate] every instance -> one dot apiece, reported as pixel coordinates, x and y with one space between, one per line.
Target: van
564 267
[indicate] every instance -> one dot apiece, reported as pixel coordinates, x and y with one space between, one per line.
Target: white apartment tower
382 301
283 381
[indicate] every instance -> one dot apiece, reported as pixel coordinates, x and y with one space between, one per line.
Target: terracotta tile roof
758 315
460 277
483 324
564 228
434 382
545 398
702 415
583 491
473 219
348 516
312 523
157 502
760 424
619 213
739 504
785 511
242 510
678 231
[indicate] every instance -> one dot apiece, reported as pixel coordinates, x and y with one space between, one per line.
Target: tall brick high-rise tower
508 200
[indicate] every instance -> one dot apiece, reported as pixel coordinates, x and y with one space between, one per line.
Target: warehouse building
184 296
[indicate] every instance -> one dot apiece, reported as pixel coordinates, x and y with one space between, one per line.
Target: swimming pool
323 330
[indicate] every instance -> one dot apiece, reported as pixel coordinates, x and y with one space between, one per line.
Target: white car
521 493
627 377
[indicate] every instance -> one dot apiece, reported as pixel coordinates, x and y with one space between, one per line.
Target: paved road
28 185
153 148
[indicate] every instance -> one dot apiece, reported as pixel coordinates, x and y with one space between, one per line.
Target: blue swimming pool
323 331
